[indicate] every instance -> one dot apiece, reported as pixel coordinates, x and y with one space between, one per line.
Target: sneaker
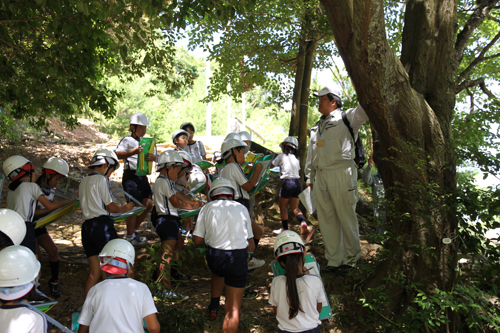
138 236
303 228
249 294
249 284
213 314
255 263
136 241
54 289
279 231
169 296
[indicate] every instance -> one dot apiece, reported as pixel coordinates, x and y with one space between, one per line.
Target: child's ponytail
292 264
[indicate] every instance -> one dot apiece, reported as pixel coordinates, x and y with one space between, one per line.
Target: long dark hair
289 150
292 263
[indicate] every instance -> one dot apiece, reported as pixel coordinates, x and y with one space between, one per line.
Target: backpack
360 158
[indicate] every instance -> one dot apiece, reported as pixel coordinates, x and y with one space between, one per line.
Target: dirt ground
256 314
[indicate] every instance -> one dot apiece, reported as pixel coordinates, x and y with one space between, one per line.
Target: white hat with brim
9 294
327 90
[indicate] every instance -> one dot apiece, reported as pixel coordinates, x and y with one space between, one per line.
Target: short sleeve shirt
310 289
162 191
224 225
117 305
23 200
95 196
19 318
197 149
126 144
235 174
289 166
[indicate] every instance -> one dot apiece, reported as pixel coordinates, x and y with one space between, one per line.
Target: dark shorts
314 330
244 202
41 231
30 239
167 226
290 188
136 186
96 233
231 265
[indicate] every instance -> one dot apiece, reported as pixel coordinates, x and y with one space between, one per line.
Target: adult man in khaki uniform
330 170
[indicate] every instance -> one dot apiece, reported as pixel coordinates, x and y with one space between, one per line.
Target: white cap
58 165
327 90
139 119
12 225
18 270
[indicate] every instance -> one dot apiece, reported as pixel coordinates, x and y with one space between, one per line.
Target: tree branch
480 58
488 92
466 84
477 17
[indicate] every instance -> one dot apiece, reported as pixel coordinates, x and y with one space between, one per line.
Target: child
12 228
96 203
17 278
233 152
107 307
128 150
194 147
54 170
246 138
291 186
183 180
181 138
24 194
297 297
225 227
165 218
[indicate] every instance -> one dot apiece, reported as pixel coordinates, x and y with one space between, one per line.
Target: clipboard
148 147
57 214
204 165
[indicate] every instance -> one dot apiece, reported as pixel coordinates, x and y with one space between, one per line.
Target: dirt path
187 316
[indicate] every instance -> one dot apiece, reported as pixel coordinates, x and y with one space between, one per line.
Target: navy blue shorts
41 231
314 330
30 240
290 188
231 265
167 226
244 202
136 186
96 233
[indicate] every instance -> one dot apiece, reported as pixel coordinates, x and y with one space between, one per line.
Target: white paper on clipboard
308 199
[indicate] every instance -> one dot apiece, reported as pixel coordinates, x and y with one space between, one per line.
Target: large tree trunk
410 104
304 102
297 88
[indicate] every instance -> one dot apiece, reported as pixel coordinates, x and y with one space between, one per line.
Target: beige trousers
336 195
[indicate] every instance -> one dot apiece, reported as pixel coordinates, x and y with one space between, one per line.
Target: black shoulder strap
346 122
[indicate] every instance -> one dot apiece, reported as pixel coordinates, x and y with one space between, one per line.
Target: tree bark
297 88
304 102
410 104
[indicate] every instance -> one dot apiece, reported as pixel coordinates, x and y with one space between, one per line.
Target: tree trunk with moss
410 103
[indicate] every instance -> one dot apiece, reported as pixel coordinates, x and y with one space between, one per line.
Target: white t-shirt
126 144
289 166
310 289
95 196
19 318
225 225
117 305
197 149
163 189
23 200
49 195
236 175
